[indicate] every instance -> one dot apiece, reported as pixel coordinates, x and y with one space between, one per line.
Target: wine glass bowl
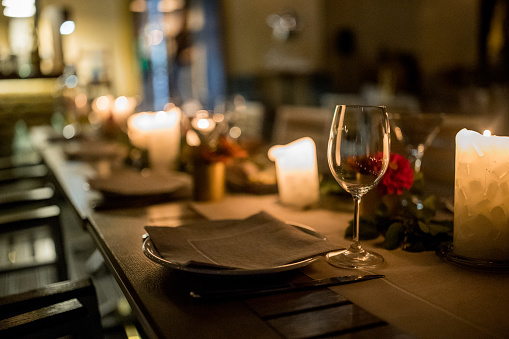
416 132
358 154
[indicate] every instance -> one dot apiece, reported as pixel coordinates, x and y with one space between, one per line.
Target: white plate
151 252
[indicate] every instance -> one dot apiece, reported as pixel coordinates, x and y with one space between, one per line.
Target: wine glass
358 154
416 132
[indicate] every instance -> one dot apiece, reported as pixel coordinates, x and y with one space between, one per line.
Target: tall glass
358 154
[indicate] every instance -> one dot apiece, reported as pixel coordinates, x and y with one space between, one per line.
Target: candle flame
203 123
487 133
102 102
121 103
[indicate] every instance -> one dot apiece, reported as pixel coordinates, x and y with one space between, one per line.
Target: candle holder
211 149
209 181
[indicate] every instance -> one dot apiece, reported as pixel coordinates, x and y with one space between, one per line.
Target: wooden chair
66 309
36 219
20 160
30 222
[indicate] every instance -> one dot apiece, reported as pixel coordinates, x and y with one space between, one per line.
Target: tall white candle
296 172
159 134
481 204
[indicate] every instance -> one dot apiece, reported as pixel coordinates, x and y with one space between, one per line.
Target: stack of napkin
255 243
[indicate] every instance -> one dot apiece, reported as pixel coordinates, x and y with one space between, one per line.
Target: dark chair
30 224
66 309
36 220
20 160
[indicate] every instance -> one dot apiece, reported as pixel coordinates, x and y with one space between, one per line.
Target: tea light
159 134
297 172
481 207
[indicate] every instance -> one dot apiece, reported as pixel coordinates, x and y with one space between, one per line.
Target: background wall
440 35
104 30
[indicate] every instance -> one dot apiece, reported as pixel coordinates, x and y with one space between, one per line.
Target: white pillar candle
297 172
159 134
481 204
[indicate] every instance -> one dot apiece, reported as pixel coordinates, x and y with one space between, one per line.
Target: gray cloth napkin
258 242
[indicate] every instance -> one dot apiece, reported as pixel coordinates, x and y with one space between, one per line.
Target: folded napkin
258 242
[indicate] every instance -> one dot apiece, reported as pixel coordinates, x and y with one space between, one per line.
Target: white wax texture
481 196
159 133
297 172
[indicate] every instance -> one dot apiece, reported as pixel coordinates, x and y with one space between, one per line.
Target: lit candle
159 134
203 122
481 207
122 108
296 172
102 106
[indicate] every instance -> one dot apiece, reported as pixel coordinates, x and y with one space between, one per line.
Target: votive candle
296 172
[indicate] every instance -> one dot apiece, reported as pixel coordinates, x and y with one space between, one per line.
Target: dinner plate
151 252
128 182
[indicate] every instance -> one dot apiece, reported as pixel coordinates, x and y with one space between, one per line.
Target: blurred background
418 55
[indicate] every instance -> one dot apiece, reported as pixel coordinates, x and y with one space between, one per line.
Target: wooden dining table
421 295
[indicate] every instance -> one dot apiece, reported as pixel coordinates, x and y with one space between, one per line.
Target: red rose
399 176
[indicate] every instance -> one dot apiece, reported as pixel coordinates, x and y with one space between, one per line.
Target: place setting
262 245
251 257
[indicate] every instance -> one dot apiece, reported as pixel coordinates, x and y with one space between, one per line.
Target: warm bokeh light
218 117
486 133
235 132
203 124
19 8
81 100
67 27
103 102
121 103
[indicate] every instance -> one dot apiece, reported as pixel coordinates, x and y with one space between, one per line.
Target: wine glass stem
356 215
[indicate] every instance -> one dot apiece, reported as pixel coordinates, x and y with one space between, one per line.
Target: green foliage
415 230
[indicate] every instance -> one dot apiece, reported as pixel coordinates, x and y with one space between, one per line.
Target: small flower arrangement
209 140
401 222
398 178
223 150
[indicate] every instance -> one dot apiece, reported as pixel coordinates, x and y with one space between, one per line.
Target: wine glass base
354 259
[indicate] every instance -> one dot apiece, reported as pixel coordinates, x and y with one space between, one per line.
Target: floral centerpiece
397 218
208 140
210 148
